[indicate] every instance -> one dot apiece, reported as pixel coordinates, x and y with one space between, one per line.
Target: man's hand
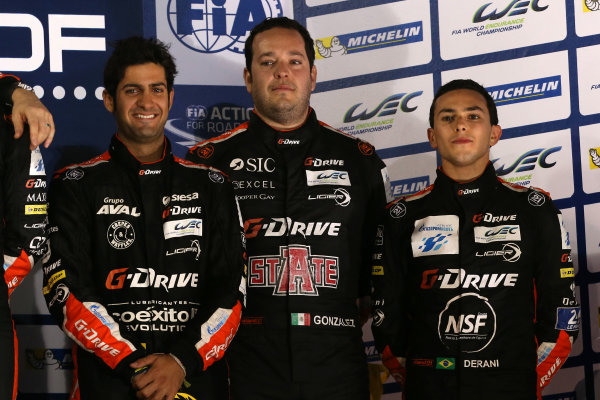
27 108
161 381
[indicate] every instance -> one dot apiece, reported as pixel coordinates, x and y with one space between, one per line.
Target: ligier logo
372 39
533 89
294 271
211 26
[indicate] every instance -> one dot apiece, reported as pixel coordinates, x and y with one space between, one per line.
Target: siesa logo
534 89
294 271
404 187
212 26
371 39
515 7
591 5
594 157
527 161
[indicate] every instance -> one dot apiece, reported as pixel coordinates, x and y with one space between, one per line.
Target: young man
146 271
23 205
310 197
475 273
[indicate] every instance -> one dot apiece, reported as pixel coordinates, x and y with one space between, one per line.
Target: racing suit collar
475 188
119 151
276 139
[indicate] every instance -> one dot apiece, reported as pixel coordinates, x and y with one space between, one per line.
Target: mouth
145 117
461 140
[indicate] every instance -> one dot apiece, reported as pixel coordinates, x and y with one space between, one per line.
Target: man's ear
431 137
495 136
248 80
109 102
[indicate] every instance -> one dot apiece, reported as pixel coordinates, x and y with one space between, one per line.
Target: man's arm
557 311
207 337
26 108
389 260
69 288
24 206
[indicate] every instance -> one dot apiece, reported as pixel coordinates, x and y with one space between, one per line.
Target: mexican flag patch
301 319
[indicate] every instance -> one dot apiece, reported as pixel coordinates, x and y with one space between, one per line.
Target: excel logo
434 243
212 26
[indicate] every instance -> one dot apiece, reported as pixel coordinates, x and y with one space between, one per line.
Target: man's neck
145 152
283 124
464 174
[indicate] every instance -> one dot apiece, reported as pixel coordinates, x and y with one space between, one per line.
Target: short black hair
137 50
469 84
280 22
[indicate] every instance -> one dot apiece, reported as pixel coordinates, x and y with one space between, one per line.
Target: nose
282 70
460 124
144 99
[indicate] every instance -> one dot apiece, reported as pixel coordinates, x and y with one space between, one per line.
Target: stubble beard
283 112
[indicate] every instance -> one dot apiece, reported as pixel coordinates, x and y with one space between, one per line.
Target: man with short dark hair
475 272
310 197
147 267
22 205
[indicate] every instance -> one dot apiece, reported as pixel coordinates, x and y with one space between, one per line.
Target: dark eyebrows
452 110
138 86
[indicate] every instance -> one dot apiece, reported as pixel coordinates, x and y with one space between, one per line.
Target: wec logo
528 160
388 106
515 7
211 26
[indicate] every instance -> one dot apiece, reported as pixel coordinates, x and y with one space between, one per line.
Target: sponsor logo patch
377 270
182 227
36 166
74 174
435 235
536 199
567 318
327 177
567 272
294 271
594 154
205 151
500 233
120 234
35 209
341 197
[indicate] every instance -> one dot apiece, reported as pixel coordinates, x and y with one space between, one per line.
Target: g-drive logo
534 89
212 26
371 39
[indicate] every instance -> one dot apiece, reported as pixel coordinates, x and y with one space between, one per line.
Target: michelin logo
534 89
371 39
403 187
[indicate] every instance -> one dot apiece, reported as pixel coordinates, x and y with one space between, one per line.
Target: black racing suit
310 198
145 258
23 210
469 281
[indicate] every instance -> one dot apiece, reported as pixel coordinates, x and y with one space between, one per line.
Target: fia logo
212 26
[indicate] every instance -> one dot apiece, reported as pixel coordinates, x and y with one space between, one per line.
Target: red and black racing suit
469 281
310 199
23 210
145 258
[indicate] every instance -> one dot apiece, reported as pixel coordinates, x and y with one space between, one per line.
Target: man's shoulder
205 149
78 171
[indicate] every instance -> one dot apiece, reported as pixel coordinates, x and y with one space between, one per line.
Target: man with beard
310 197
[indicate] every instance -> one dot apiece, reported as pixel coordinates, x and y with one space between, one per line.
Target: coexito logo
211 26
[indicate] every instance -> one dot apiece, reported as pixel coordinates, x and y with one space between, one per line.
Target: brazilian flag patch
444 363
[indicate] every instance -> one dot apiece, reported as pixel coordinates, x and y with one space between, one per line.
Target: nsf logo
211 26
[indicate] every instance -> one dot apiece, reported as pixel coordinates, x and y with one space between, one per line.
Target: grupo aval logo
212 26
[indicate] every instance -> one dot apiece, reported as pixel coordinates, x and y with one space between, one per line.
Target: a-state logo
211 26
294 271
